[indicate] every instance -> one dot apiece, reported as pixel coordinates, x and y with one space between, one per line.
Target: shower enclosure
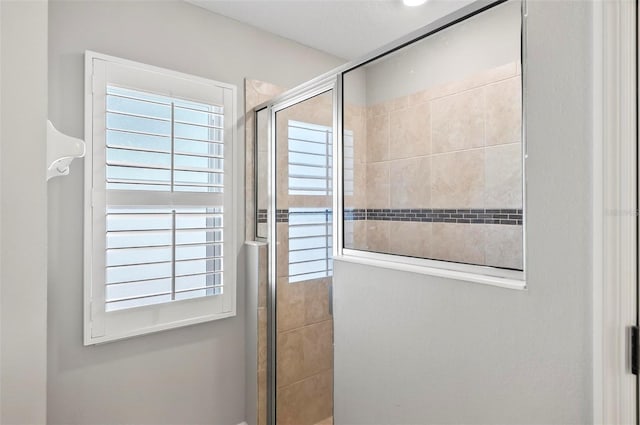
294 152
412 159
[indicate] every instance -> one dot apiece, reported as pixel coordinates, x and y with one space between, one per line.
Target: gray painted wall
423 350
183 376
23 202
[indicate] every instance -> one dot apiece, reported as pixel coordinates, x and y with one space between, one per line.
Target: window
437 179
310 244
158 241
310 159
310 174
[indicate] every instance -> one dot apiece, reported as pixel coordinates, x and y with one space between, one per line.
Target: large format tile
306 402
317 347
291 309
316 300
378 235
410 238
262 339
504 112
464 243
319 397
410 183
378 185
378 138
360 235
290 365
504 246
458 179
410 132
503 174
457 122
291 405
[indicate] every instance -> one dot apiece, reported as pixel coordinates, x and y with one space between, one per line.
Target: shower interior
425 167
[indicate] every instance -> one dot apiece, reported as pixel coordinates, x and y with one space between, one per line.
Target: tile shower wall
451 147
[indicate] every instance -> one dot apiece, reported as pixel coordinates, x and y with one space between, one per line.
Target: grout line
309 377
305 326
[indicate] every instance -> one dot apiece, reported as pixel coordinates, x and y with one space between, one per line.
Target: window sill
503 278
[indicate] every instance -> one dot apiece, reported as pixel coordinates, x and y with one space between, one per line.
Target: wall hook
61 150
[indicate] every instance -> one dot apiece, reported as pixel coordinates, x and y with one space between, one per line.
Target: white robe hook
61 150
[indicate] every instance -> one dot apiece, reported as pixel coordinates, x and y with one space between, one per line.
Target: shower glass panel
433 163
304 264
262 172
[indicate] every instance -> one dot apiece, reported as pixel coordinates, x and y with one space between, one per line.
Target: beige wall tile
377 110
291 402
504 246
319 397
378 195
503 174
458 179
348 227
306 402
262 397
290 359
420 97
410 132
290 298
358 198
378 235
397 103
262 339
317 347
504 112
378 138
263 275
316 300
410 238
410 183
360 235
263 179
464 243
457 122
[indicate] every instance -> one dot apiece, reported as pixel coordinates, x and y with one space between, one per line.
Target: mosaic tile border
504 216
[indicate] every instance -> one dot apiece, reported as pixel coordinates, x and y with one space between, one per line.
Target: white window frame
100 325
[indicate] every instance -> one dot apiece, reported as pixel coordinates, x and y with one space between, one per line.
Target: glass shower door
303 332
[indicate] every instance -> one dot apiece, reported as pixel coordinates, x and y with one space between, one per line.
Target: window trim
153 318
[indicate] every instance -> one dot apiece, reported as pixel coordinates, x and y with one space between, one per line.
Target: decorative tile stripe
433 215
262 216
425 215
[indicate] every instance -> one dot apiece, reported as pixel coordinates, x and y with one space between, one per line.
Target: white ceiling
345 28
